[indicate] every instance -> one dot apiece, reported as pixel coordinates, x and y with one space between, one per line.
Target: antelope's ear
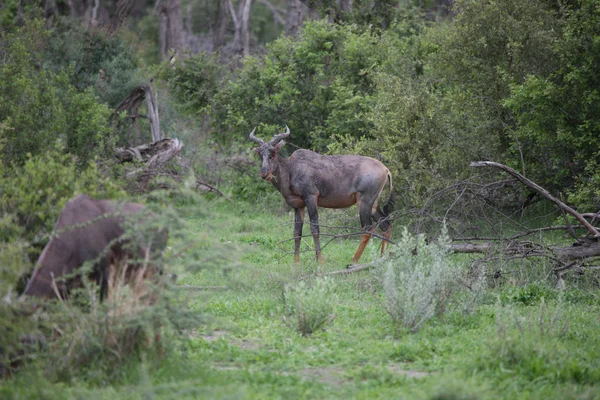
280 145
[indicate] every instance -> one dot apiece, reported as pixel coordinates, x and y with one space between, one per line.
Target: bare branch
274 10
210 188
529 183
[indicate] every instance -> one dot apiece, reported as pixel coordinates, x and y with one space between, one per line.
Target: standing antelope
308 179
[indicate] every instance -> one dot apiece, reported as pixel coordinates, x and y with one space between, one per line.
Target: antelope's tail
388 207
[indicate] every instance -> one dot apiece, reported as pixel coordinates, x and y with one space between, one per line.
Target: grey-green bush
310 306
417 279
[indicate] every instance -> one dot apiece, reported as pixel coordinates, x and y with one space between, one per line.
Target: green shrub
39 107
557 113
319 84
195 81
33 194
417 280
94 59
310 306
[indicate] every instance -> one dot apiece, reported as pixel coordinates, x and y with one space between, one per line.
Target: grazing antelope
307 180
93 230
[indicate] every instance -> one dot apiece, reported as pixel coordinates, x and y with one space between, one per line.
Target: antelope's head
268 151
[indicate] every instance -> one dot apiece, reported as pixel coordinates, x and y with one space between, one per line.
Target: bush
318 84
310 306
39 107
195 81
95 59
417 280
35 193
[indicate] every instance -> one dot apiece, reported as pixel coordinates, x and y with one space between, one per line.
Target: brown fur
93 230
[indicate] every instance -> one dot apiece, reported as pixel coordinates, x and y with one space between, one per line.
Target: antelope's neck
281 176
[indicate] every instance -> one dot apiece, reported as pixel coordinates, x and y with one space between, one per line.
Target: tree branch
532 185
276 14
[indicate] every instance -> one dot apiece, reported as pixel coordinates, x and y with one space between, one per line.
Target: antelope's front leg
311 205
299 221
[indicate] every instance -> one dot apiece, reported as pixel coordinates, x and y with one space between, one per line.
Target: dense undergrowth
524 340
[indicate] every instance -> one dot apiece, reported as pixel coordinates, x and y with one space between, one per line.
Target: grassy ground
523 342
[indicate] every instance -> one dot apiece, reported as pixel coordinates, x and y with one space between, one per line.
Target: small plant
310 306
417 280
476 284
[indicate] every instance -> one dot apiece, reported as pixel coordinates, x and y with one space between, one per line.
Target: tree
241 20
170 27
293 17
220 25
558 114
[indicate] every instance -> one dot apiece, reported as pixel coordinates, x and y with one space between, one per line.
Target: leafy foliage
317 84
195 81
94 60
558 114
34 194
39 107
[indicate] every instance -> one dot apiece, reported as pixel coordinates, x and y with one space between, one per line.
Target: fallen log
153 154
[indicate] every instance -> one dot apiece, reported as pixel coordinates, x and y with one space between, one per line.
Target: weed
310 307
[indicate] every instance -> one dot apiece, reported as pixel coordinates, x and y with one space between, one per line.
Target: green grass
248 351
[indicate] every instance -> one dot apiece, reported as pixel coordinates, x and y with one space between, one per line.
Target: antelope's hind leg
386 226
365 223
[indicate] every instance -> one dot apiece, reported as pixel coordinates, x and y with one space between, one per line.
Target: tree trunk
77 8
50 9
124 8
241 39
189 30
345 5
293 17
94 14
132 102
170 28
163 39
245 26
220 25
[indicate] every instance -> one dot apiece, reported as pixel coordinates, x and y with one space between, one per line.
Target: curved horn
254 138
280 136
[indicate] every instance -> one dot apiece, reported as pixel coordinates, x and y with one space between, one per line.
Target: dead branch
202 185
153 154
133 101
532 185
350 269
587 250
201 288
472 248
